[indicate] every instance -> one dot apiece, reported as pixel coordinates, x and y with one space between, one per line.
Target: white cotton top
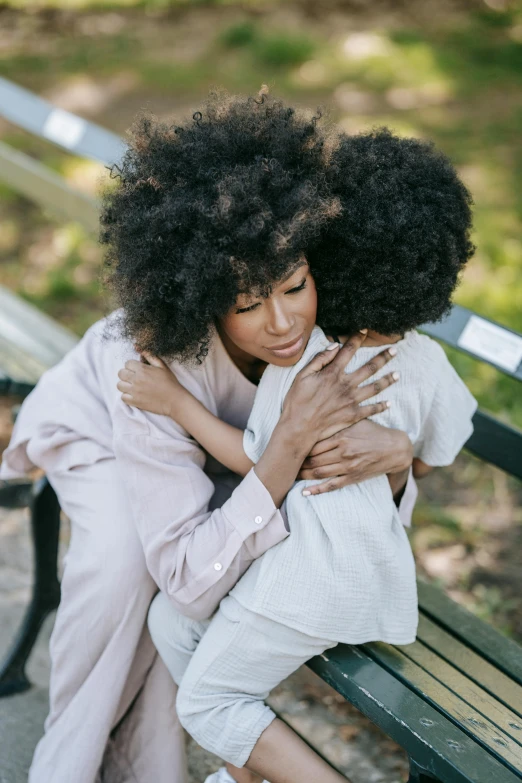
346 572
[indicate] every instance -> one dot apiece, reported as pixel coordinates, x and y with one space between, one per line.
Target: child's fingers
320 360
154 360
123 386
133 365
126 375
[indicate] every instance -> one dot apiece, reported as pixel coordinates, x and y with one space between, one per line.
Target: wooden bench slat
442 748
19 367
500 651
466 689
30 341
474 666
29 111
39 183
474 723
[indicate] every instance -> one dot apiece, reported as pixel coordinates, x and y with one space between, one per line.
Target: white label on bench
492 343
64 128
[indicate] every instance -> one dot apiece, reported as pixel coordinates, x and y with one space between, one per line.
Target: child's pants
226 667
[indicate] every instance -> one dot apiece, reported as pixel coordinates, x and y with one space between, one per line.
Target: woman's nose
280 320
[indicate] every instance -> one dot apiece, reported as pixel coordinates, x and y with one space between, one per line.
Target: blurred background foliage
447 70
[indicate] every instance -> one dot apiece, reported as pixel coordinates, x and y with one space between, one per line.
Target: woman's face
275 329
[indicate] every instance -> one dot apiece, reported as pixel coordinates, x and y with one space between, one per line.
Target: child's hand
151 387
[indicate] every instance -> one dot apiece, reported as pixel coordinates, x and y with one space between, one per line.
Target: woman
202 215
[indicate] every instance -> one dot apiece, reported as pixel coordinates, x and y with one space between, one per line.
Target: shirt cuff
253 514
408 500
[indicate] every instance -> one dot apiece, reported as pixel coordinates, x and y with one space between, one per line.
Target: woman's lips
289 350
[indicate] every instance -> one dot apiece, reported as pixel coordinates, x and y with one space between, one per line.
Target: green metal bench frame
447 737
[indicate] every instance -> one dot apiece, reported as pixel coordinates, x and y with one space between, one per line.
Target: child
346 573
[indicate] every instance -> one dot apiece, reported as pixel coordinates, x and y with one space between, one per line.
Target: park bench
453 699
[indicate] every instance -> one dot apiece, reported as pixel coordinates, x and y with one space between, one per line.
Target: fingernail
392 351
363 331
388 404
332 346
306 492
396 376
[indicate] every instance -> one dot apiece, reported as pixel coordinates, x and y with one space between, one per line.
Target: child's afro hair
224 203
391 260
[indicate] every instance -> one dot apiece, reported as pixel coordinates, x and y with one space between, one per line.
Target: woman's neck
250 366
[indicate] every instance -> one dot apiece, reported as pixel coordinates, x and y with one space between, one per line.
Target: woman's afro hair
391 261
225 203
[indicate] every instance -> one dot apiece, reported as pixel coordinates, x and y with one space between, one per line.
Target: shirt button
217 566
258 520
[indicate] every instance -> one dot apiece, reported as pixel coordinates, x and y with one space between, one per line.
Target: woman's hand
151 386
356 454
324 399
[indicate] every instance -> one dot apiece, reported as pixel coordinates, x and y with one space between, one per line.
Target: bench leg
45 528
420 775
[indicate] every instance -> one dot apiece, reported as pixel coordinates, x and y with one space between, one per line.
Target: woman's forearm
281 461
223 441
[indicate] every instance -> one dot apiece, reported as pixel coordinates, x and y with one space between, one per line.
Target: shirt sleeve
194 555
448 424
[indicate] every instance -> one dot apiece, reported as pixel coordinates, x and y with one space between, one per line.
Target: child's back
346 573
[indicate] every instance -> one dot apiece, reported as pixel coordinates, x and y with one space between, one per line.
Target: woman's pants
226 667
112 712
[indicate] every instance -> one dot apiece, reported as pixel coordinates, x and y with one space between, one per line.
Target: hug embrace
236 446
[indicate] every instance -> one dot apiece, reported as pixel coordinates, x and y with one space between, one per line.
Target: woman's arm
420 469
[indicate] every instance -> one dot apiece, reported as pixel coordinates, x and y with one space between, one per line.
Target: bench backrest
30 342
487 341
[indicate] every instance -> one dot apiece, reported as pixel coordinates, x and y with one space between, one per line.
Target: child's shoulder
424 350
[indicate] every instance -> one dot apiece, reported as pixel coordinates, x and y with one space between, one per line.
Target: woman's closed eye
247 309
293 290
297 288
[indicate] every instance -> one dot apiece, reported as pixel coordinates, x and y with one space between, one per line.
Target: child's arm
420 469
154 387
